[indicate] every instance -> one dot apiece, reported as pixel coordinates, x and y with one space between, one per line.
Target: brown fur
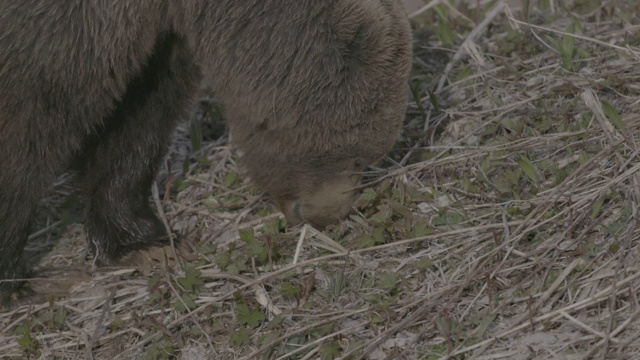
314 90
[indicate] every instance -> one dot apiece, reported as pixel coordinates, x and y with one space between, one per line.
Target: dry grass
504 226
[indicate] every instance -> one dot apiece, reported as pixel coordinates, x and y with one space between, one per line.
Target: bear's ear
353 42
263 125
359 27
258 127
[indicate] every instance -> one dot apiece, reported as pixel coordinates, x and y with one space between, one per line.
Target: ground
503 225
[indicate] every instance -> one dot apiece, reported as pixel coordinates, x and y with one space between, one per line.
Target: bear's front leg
122 159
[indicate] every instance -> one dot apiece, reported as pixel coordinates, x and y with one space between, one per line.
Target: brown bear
314 92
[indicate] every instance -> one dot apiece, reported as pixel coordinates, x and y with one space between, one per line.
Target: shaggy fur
314 92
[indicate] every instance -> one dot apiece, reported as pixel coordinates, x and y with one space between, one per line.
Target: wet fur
314 91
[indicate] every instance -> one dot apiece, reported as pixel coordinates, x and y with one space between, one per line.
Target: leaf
568 43
576 25
289 291
230 179
378 236
375 318
25 341
187 302
330 351
583 157
513 125
423 263
195 134
382 215
461 75
154 281
613 116
527 167
255 249
236 267
240 337
191 280
421 229
223 260
400 209
268 338
60 316
247 234
614 247
368 195
274 227
485 164
247 316
203 160
179 185
415 92
388 281
434 101
366 241
592 249
468 185
484 324
358 219
597 206
444 32
322 330
379 218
